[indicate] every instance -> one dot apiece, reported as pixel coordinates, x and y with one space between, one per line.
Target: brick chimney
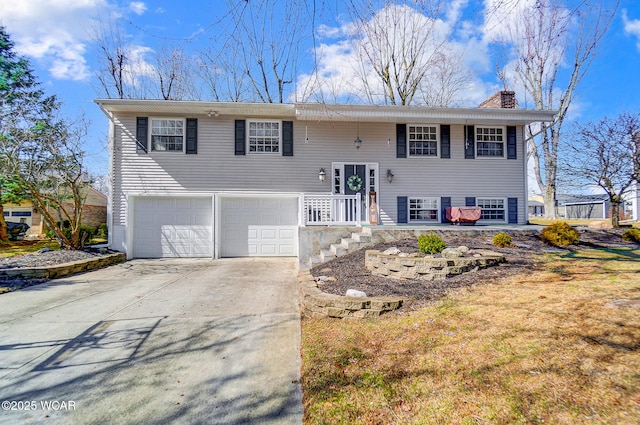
504 99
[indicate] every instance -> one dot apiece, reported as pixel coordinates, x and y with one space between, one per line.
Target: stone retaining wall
420 268
67 269
315 303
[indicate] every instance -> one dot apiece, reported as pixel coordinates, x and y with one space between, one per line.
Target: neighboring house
582 207
207 179
633 202
94 212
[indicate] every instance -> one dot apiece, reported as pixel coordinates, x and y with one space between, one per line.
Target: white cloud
631 27
342 76
138 7
138 68
54 33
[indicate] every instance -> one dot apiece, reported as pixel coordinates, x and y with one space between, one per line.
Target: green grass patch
542 347
14 248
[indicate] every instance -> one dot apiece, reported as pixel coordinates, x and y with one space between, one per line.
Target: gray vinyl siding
216 167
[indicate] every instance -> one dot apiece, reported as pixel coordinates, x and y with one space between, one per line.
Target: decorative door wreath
355 183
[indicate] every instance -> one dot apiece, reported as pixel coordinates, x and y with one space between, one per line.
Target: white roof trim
326 112
373 113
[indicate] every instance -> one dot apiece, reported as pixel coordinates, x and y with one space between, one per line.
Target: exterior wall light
322 175
358 142
389 176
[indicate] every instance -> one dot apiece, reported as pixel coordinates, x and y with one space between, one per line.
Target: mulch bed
523 256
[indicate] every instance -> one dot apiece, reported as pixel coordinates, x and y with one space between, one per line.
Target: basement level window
423 209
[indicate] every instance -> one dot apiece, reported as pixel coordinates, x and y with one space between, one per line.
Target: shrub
430 244
501 240
50 234
560 234
102 231
631 235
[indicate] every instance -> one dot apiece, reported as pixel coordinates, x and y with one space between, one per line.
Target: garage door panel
172 227
259 227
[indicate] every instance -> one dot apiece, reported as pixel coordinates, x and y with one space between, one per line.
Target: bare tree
402 53
606 154
222 74
113 59
128 71
173 73
548 40
267 37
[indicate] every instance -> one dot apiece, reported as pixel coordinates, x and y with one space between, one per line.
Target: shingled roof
501 100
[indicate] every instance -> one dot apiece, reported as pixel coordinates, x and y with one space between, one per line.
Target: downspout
525 158
110 144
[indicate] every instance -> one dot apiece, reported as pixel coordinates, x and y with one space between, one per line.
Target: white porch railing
323 210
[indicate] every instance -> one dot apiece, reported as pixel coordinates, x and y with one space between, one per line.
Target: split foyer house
210 179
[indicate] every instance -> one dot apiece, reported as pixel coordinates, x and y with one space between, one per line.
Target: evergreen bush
430 244
560 233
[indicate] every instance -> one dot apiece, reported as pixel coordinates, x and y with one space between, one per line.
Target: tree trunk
549 195
4 235
616 202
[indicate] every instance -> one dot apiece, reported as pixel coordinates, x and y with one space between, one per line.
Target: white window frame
505 209
249 122
423 198
503 141
184 131
437 141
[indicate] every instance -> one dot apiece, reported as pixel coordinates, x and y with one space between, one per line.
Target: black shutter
287 138
469 143
192 136
470 201
511 143
445 141
445 202
403 216
240 137
401 141
512 208
142 132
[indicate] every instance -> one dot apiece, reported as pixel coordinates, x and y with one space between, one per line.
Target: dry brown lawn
539 347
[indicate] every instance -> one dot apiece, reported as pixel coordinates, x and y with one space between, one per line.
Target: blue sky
55 37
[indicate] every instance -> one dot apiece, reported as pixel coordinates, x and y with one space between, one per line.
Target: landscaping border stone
66 269
427 268
315 303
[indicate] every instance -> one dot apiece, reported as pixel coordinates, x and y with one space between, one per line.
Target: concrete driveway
190 341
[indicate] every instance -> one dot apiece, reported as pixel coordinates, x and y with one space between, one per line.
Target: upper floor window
490 142
167 134
264 136
423 209
492 209
423 140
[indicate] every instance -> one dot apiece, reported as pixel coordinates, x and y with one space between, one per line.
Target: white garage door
260 227
172 227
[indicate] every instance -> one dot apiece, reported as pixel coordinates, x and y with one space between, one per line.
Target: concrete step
338 250
326 255
314 261
349 244
361 238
